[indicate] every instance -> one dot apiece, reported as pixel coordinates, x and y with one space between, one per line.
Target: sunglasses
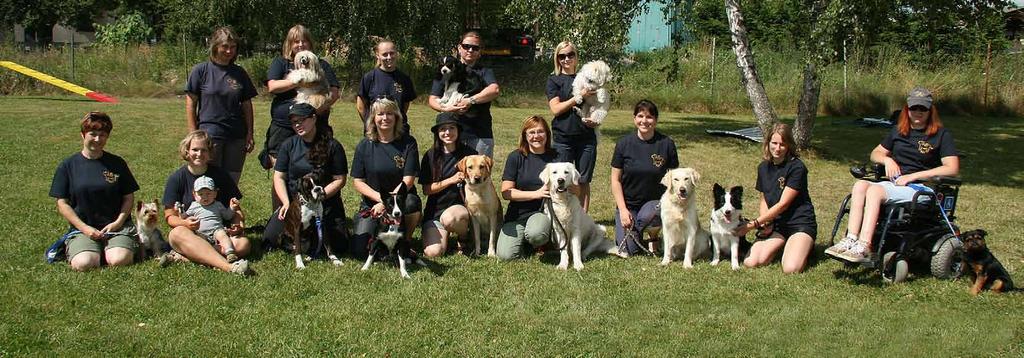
919 109
567 55
470 47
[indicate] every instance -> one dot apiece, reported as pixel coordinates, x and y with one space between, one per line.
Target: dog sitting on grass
988 272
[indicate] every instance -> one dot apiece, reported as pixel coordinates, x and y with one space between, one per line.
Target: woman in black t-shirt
575 139
385 81
917 148
386 158
95 194
525 226
445 212
785 216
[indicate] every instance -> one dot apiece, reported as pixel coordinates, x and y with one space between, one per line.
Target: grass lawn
470 307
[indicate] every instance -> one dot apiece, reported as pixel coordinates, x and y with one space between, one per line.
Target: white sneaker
858 253
845 244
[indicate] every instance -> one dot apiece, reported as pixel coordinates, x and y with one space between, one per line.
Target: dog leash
554 219
631 235
942 210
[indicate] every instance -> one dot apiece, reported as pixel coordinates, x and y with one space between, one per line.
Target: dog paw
714 262
687 264
405 275
664 262
736 267
563 267
578 267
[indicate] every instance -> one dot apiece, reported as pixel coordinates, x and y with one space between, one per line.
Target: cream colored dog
312 85
680 226
481 201
575 230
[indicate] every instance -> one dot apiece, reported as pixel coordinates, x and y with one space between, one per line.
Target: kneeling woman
445 212
313 147
785 214
384 159
526 227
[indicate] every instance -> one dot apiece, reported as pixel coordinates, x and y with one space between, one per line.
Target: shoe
845 244
231 257
241 267
858 253
169 258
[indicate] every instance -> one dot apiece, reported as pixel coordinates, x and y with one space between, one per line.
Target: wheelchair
922 231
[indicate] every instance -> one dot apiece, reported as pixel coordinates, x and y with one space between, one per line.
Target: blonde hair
376 48
554 57
223 35
296 33
784 131
186 143
384 105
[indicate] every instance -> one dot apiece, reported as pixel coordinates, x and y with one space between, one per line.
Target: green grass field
471 307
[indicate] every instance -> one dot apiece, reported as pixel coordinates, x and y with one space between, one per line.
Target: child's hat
204 182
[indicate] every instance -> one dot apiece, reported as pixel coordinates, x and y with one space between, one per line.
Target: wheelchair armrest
875 172
915 202
945 180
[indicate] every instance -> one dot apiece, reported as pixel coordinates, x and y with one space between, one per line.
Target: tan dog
147 226
575 230
481 201
680 226
312 85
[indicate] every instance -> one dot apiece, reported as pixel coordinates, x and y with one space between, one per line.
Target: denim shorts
895 194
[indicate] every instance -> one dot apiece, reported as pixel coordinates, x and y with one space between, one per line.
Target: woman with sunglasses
473 112
917 148
385 81
575 139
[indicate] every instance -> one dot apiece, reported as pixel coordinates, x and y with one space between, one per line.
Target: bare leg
242 246
872 207
763 252
794 256
856 206
435 241
197 250
585 197
118 256
84 261
410 221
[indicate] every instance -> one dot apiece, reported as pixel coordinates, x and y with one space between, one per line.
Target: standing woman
194 149
95 194
785 215
473 112
387 157
525 226
280 129
575 139
445 212
385 81
639 162
218 101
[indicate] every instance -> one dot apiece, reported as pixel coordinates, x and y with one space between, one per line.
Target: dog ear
575 176
489 163
718 190
736 191
138 206
462 165
667 179
544 174
156 202
696 176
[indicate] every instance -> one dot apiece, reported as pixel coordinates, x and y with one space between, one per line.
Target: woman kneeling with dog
194 149
445 212
526 227
785 215
386 158
312 148
95 194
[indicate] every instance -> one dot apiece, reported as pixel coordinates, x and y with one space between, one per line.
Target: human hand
192 224
626 219
235 230
742 230
377 210
541 193
589 123
111 227
235 204
892 170
283 211
459 177
903 180
586 92
94 234
249 144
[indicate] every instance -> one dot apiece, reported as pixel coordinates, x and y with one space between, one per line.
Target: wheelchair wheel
894 268
946 262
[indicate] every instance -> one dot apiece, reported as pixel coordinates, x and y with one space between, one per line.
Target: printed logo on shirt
782 182
657 160
397 88
233 83
924 147
399 161
110 177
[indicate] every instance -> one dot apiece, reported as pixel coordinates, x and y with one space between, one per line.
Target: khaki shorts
79 243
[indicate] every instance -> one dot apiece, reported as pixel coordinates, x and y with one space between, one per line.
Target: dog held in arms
592 77
311 82
988 272
680 225
390 234
459 82
575 231
305 211
482 201
726 217
148 227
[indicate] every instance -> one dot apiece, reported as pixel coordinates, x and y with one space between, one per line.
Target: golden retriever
575 230
680 225
481 201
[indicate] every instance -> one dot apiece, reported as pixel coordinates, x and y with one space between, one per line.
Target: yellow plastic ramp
71 87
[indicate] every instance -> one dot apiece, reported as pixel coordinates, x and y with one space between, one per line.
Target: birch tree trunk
748 70
807 108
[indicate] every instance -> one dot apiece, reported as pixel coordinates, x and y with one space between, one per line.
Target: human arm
509 192
768 214
883 156
366 191
334 187
281 191
65 210
190 112
360 107
435 103
247 115
620 200
950 167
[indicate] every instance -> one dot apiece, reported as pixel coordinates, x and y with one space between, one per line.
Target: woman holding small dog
785 217
180 189
445 212
525 227
574 138
917 148
219 101
385 81
386 158
95 190
474 112
639 162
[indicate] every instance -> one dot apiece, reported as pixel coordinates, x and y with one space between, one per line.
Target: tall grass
677 79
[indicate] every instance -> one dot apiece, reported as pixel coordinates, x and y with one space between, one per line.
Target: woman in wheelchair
917 148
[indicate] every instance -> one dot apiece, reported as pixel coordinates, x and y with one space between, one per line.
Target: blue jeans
647 216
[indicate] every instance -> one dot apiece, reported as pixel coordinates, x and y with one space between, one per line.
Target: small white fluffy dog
310 79
725 217
481 201
593 76
581 235
680 226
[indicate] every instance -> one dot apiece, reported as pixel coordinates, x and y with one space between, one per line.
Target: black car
508 44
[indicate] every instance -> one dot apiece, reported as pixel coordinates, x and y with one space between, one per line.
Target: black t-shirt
179 186
524 171
278 70
221 91
394 85
441 200
568 124
918 152
292 160
643 164
476 122
382 165
773 179
94 188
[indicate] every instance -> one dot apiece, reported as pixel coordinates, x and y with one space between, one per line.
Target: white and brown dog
575 231
147 226
592 77
680 225
305 209
309 77
481 201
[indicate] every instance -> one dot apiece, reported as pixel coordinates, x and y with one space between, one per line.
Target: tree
748 69
599 28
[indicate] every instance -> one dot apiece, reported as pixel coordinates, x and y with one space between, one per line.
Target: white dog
679 223
726 217
592 77
481 201
574 229
310 79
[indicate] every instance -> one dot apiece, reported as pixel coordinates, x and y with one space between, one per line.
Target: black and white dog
726 217
390 235
305 209
459 82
